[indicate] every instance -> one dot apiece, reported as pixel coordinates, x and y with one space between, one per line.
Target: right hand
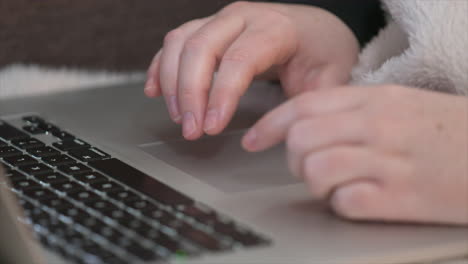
305 47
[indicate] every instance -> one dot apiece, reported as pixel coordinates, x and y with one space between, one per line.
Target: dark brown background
96 34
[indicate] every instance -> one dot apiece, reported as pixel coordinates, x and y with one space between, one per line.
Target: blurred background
115 35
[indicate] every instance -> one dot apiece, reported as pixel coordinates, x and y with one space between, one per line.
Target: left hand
387 153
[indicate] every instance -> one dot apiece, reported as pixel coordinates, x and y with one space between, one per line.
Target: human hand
303 46
387 153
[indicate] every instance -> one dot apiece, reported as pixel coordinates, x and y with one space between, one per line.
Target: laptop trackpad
221 162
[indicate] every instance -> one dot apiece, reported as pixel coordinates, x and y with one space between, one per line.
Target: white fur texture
424 45
26 80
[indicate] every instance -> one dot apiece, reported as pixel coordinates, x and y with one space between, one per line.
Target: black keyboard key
8 132
42 152
99 252
25 185
244 237
6 166
20 160
50 128
160 215
57 203
202 215
140 181
74 168
75 238
3 143
40 194
63 135
68 187
142 205
27 143
92 223
107 187
58 160
26 205
118 215
84 196
39 216
36 169
67 145
137 226
87 155
76 214
163 240
200 238
34 130
124 196
109 233
9 152
15 175
102 206
33 119
140 252
51 178
31 210
90 177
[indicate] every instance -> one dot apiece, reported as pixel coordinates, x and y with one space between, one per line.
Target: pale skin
387 153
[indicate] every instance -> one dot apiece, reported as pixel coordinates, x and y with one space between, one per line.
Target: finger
315 134
360 200
198 63
273 127
152 87
168 74
326 170
239 65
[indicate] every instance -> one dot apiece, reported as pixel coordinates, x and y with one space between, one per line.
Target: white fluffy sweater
425 45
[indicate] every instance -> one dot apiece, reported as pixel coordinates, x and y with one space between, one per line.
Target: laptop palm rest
221 162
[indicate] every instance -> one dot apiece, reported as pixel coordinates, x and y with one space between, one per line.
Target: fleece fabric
424 45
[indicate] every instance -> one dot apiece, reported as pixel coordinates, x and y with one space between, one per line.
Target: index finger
274 126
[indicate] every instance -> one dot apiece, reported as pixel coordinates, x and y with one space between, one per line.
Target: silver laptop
104 176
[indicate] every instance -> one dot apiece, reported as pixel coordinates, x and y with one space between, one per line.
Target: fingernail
250 139
149 87
211 120
189 124
174 108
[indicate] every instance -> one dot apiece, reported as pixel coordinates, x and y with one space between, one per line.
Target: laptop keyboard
93 208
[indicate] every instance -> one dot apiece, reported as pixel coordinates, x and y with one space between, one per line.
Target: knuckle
237 6
296 136
278 18
196 42
173 35
237 55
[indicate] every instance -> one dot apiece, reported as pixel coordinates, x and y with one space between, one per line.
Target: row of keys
104 185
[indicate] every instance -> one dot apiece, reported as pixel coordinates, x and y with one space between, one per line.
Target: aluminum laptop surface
255 190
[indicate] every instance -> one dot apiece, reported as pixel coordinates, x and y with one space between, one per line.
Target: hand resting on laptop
381 152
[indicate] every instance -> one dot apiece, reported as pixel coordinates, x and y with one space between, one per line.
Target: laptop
104 176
